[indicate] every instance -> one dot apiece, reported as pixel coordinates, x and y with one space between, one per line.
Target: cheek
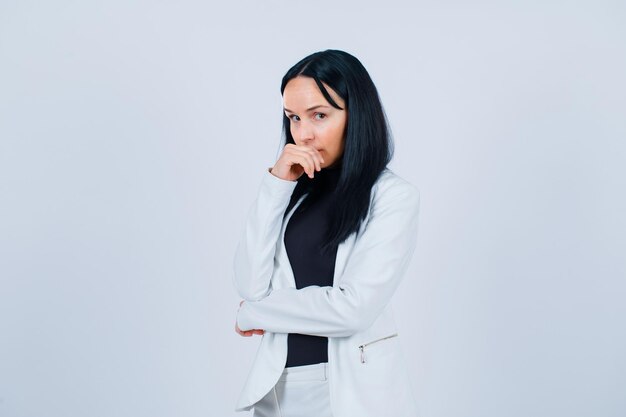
333 134
338 137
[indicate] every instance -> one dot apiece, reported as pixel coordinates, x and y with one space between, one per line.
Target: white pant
301 391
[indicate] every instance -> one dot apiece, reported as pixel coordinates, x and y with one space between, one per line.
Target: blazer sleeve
254 255
377 264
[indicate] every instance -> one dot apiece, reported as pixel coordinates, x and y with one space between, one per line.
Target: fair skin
318 131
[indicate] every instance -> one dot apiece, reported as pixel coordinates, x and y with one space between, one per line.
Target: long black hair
368 146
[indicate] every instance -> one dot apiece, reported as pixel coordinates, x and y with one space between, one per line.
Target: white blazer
367 372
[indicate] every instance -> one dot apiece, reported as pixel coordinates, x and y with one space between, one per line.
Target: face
313 121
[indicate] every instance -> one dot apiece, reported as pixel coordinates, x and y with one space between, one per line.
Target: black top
304 235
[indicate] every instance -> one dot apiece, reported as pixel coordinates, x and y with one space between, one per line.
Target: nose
304 135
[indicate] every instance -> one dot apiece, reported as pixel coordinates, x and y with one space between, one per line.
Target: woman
322 254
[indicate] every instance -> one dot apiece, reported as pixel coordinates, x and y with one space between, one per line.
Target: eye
293 115
321 114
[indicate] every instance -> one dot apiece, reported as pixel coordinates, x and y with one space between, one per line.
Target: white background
133 136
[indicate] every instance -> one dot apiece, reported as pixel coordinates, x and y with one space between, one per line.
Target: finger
313 156
293 156
316 160
303 155
313 151
305 159
242 332
317 157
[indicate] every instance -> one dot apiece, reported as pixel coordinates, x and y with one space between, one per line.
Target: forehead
302 92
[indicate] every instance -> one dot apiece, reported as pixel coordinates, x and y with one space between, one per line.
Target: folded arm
254 255
374 270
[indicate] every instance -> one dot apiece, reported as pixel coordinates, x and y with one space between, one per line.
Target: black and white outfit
331 347
302 389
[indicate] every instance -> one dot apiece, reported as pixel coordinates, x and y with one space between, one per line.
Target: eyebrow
309 109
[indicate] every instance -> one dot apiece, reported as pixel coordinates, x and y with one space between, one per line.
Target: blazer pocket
365 346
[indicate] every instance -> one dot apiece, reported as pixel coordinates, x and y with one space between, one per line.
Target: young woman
325 245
